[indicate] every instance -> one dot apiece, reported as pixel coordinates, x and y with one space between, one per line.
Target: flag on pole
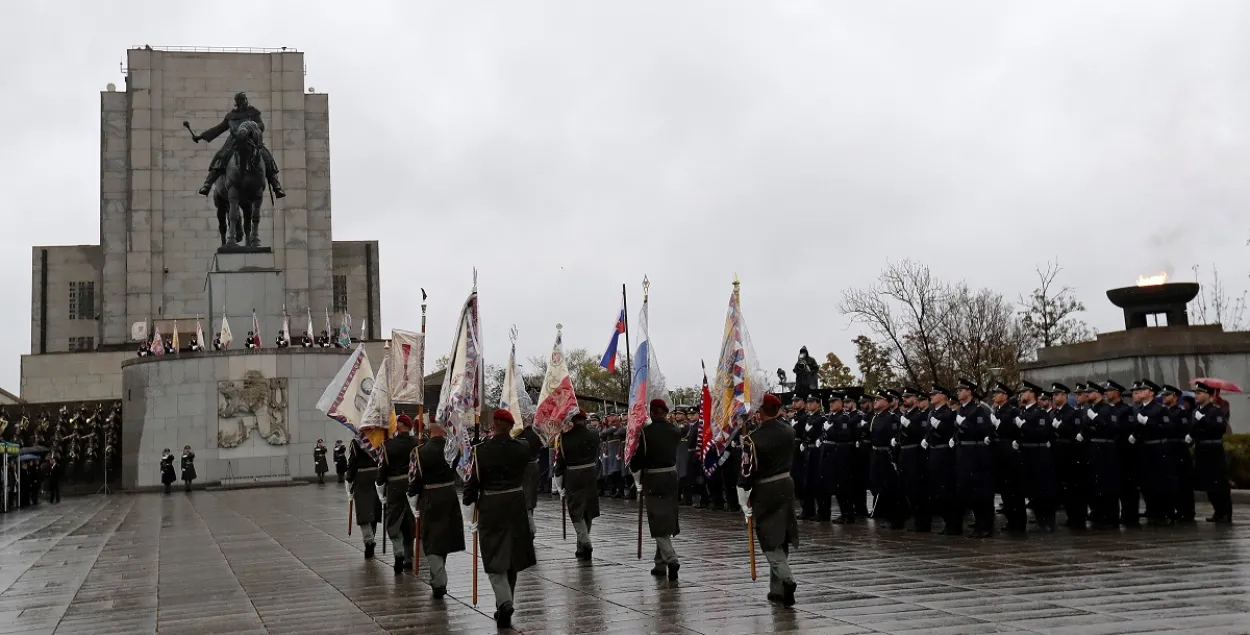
158 345
740 381
705 415
174 341
460 398
309 329
609 356
646 384
513 397
362 330
199 334
345 398
376 413
345 330
329 329
557 403
255 330
286 327
407 357
226 335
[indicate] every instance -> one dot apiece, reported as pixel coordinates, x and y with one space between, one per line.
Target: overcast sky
801 145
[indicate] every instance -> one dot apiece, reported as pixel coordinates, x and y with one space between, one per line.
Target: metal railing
216 49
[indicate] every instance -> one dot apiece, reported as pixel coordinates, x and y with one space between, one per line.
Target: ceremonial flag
345 330
646 384
286 327
199 334
609 356
705 414
309 329
557 402
740 381
460 398
255 330
157 347
175 343
377 410
514 399
348 394
407 357
226 335
329 329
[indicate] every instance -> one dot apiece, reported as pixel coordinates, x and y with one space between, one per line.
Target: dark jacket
535 445
503 522
767 453
656 458
974 461
576 462
361 473
433 481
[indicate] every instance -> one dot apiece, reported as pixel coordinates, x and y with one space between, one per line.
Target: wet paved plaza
280 561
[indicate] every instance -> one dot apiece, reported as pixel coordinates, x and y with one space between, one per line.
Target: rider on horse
243 111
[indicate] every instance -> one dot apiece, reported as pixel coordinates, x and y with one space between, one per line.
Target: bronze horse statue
239 195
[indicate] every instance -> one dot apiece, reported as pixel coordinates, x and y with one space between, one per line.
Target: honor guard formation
910 459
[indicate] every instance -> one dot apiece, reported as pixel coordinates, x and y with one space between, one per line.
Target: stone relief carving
256 403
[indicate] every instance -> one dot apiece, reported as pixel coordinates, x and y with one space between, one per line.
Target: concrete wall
66 265
358 260
73 376
172 401
1178 370
158 235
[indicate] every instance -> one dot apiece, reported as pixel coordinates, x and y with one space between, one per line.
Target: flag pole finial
646 287
475 278
736 281
512 334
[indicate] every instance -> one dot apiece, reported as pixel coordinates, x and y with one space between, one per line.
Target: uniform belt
970 442
938 446
881 449
579 467
1035 445
438 485
1209 441
1156 441
492 492
909 445
1067 440
534 462
661 470
397 478
1102 441
772 479
366 469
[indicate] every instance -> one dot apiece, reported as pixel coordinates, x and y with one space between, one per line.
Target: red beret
505 415
580 414
403 419
659 403
771 400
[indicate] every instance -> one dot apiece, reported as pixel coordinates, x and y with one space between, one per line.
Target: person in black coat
1071 450
1182 507
576 480
1123 418
654 466
814 489
495 487
767 494
392 488
837 456
340 459
432 498
1152 434
188 466
55 471
1037 456
1007 466
320 463
535 445
362 471
168 475
1210 463
939 442
883 475
913 482
974 461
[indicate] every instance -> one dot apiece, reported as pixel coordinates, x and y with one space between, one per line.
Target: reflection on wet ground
280 561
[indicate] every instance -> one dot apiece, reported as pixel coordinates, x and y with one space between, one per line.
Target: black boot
503 616
208 184
274 185
399 565
672 571
369 550
787 598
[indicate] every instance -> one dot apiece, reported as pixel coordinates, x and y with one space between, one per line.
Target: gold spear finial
646 287
736 283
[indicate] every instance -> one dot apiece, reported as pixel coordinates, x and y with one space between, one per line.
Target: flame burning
1152 281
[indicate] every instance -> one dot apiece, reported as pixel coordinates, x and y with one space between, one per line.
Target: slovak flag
609 356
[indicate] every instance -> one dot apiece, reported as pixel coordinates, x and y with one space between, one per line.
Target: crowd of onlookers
26 481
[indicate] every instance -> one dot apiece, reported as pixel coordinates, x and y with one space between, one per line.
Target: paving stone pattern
280 561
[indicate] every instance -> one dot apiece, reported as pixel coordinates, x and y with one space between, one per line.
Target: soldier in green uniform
432 496
654 465
576 479
766 492
392 486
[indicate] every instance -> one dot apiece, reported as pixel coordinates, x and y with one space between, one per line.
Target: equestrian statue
247 165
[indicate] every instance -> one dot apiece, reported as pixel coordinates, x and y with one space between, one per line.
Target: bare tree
1213 304
903 308
1048 315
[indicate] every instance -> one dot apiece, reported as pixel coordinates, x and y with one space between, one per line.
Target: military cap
910 391
1058 387
1201 387
836 396
1169 389
1090 387
797 397
1146 384
967 384
1001 387
771 400
1111 385
938 389
1031 387
893 394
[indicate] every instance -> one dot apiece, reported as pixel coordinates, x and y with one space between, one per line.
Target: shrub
1237 447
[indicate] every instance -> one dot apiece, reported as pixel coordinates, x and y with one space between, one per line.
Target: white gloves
1189 440
1132 439
960 418
1142 419
987 441
828 425
1090 414
412 504
558 483
995 421
894 443
347 487
934 421
905 421
744 501
802 447
952 443
466 511
1198 415
924 443
1079 438
1054 424
1019 422
1015 445
381 490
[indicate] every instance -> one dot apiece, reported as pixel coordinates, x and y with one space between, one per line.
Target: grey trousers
366 532
664 552
438 570
533 527
400 545
503 584
778 570
582 529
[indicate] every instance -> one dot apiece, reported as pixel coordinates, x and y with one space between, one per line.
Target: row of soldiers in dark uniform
922 455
